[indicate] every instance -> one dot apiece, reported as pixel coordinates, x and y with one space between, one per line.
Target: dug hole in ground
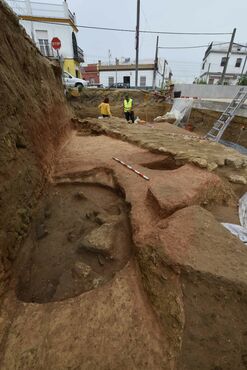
100 268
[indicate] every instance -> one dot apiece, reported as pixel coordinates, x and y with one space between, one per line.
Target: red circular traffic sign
56 43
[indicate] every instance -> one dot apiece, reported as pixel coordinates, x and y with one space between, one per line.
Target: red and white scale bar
131 168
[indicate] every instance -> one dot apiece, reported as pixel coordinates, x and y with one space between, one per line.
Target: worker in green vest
128 109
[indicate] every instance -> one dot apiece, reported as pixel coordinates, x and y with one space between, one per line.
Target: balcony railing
80 55
38 9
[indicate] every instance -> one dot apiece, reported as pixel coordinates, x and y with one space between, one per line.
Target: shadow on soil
166 164
80 237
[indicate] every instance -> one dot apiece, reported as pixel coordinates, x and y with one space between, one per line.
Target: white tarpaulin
243 210
180 112
237 230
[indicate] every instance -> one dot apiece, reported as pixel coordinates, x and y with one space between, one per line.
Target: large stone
236 179
212 166
100 240
200 162
82 270
188 186
235 162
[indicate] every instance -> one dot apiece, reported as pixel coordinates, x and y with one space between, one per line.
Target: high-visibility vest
128 105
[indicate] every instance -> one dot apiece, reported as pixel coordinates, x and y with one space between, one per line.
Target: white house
124 72
214 61
44 20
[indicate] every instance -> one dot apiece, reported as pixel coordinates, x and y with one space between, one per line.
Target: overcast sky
158 15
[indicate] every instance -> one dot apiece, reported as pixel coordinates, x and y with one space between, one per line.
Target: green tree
201 82
243 81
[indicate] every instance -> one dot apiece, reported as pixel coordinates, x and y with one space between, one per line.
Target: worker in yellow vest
128 109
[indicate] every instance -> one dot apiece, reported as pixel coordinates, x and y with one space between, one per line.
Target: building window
110 81
142 81
203 66
238 62
223 62
44 47
43 43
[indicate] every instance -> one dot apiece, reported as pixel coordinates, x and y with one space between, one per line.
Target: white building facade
43 21
215 58
124 72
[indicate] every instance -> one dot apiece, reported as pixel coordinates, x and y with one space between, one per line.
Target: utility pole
155 62
242 73
137 40
221 82
163 75
209 66
116 61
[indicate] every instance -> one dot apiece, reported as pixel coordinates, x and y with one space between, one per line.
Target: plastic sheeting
237 230
242 211
180 112
241 149
183 107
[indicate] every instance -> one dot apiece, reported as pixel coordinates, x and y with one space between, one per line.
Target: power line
154 32
191 47
133 31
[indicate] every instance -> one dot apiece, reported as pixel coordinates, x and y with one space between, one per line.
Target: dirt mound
34 120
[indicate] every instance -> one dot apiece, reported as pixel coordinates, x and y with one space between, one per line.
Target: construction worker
128 109
105 109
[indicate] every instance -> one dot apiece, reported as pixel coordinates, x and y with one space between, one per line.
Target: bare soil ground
166 298
148 107
62 264
100 268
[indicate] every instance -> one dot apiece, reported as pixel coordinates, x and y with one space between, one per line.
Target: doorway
126 80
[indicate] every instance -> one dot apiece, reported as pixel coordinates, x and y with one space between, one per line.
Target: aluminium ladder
221 124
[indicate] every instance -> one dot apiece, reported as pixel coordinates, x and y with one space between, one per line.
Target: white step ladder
221 124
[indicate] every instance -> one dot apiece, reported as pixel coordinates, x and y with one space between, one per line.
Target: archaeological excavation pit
168 163
79 239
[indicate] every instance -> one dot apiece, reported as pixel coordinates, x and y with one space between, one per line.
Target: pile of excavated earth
102 268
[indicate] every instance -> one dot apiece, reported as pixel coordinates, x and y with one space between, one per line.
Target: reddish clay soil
99 268
126 269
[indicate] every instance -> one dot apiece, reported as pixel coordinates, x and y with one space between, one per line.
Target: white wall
214 59
208 91
104 76
63 32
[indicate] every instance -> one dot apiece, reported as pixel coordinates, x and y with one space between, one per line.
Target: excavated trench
168 163
79 239
172 300
148 108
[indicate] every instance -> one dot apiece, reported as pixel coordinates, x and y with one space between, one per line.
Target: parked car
96 86
71 81
119 85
